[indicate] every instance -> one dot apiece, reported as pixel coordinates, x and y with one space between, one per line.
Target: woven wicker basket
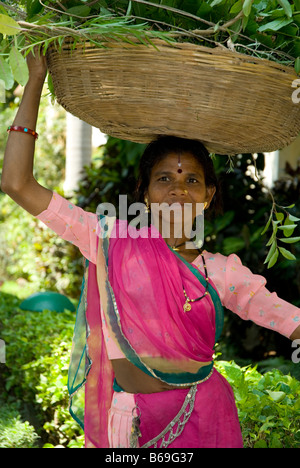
231 102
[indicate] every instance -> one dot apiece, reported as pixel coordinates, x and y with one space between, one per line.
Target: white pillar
275 162
78 151
271 171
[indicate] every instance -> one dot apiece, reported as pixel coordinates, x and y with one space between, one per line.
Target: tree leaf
261 444
273 259
247 5
19 66
82 10
8 26
50 85
272 238
288 229
287 254
287 226
275 442
33 8
275 25
271 252
216 2
287 7
279 216
236 8
276 396
6 74
268 224
290 240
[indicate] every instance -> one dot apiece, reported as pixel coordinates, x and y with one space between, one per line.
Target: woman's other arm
17 174
245 294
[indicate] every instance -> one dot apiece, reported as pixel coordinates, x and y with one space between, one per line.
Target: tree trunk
78 151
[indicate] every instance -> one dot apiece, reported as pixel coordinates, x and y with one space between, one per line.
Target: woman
151 307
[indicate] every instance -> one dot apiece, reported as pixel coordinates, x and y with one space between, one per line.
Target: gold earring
147 207
205 205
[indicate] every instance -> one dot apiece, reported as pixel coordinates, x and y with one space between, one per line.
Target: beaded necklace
187 305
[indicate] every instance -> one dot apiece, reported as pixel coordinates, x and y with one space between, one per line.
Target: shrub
33 252
268 406
13 432
38 346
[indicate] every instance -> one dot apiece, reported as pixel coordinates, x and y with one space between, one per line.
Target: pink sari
141 285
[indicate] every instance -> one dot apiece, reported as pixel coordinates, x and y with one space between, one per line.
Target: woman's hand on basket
37 65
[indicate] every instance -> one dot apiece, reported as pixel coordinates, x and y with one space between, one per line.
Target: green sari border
213 294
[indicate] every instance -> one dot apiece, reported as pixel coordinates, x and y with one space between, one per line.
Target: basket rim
218 51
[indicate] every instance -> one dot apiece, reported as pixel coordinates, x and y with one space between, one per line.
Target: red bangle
23 130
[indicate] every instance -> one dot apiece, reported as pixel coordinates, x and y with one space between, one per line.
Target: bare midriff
133 380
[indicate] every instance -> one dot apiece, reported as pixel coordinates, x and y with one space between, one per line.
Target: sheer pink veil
98 388
147 280
141 285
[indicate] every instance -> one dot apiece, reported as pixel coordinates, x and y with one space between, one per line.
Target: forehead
170 163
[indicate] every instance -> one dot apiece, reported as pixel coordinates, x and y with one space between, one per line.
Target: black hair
158 149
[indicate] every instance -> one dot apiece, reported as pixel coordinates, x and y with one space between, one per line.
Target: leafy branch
281 221
25 36
213 27
286 223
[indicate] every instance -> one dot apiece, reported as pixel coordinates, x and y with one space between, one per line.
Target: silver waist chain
173 429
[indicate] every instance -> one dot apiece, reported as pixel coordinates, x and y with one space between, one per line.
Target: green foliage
34 253
284 366
286 223
242 228
13 432
37 359
254 27
283 223
268 406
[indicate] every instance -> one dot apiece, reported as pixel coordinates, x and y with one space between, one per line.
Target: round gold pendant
187 307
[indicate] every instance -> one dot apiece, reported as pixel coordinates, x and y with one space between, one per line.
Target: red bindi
179 165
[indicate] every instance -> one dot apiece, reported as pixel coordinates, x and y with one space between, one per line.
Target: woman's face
167 185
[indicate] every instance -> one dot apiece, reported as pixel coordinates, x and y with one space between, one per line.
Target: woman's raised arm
17 174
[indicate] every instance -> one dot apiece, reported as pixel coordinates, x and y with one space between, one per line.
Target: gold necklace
175 247
187 305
